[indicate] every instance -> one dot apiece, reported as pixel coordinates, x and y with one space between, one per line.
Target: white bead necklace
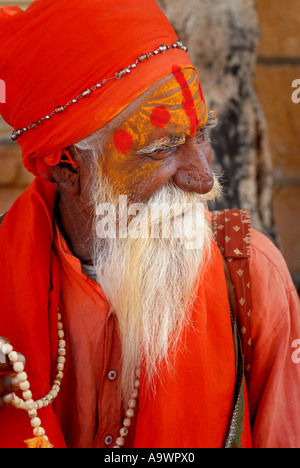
40 439
28 404
129 415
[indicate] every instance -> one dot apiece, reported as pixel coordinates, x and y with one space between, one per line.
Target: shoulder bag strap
231 230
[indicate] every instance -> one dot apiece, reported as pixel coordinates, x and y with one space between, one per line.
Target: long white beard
151 282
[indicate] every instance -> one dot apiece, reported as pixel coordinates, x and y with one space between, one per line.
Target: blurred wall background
247 53
278 65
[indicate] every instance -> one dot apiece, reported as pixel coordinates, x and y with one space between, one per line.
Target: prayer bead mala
28 404
132 404
40 439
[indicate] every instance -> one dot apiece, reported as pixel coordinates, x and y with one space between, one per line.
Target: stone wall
278 66
13 177
247 54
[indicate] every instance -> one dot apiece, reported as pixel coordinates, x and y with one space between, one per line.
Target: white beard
151 282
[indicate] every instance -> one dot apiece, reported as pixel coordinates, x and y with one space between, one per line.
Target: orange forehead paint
177 104
174 107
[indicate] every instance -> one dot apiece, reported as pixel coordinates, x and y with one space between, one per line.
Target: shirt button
112 375
108 440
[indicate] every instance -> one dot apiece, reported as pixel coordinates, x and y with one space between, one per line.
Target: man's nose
193 170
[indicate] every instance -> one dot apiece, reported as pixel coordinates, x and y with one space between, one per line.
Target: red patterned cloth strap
231 231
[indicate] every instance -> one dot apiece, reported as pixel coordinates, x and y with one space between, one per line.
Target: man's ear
67 178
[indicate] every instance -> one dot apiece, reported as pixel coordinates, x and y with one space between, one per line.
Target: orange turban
56 49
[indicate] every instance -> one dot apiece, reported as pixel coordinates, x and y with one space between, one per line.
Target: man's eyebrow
171 141
163 144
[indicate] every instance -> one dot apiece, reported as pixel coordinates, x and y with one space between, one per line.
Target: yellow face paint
175 107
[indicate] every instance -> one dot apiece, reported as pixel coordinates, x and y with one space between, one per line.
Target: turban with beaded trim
56 49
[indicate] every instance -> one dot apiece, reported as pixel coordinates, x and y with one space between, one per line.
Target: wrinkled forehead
178 100
175 104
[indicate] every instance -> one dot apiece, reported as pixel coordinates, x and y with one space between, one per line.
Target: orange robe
192 407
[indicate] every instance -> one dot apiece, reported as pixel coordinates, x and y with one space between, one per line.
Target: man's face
159 139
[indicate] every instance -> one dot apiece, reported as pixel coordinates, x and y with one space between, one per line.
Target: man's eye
162 153
163 149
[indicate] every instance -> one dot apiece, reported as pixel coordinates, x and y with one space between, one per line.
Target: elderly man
114 334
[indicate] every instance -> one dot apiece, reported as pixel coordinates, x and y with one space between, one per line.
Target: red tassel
67 158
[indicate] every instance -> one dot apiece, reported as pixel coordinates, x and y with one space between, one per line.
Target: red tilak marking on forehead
188 102
123 141
160 116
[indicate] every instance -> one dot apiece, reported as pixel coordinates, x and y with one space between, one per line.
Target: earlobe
66 178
